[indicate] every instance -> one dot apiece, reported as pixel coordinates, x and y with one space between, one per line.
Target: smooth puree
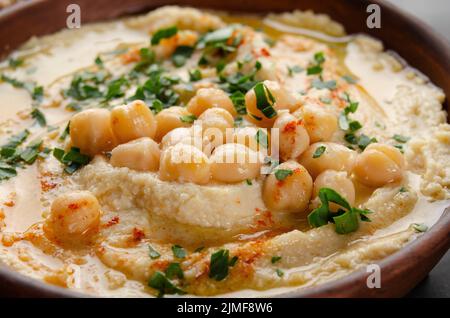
275 249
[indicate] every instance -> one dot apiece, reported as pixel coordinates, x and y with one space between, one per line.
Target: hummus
102 206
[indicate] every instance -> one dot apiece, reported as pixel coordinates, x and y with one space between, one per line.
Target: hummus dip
345 148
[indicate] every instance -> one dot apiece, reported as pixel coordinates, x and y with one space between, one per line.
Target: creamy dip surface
101 206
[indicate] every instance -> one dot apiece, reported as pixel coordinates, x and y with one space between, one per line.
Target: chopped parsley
163 34
264 100
154 254
188 118
163 285
181 55
282 174
14 63
238 99
249 182
195 75
319 151
275 259
220 263
174 271
400 138
279 272
316 66
73 159
321 84
178 251
262 138
39 116
346 218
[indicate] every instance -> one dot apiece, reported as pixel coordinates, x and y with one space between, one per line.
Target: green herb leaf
279 272
349 79
319 84
319 151
188 118
163 285
174 271
400 138
294 69
14 63
262 138
163 34
154 254
219 263
264 100
249 182
275 259
282 174
178 251
39 116
181 55
238 99
195 75
313 70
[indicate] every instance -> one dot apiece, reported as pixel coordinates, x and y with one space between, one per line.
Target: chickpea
235 163
169 119
378 165
141 154
283 100
215 122
294 139
339 182
291 194
319 123
185 163
335 157
74 218
91 131
208 98
175 136
133 121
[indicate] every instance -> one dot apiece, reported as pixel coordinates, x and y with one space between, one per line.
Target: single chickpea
215 122
290 194
91 131
335 157
283 100
320 123
132 121
208 98
175 136
185 163
294 138
169 119
74 218
235 163
378 165
140 154
339 182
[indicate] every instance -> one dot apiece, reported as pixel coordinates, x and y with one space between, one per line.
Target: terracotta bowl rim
438 234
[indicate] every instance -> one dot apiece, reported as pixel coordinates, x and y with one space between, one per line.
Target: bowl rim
438 235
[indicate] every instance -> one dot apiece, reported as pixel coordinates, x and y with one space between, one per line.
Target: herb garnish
321 84
319 151
275 259
316 67
174 271
420 227
154 254
181 55
282 174
294 69
163 34
346 218
73 159
218 268
400 138
163 285
262 138
188 118
39 116
279 272
178 251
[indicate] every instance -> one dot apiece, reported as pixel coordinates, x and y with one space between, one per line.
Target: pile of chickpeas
142 141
